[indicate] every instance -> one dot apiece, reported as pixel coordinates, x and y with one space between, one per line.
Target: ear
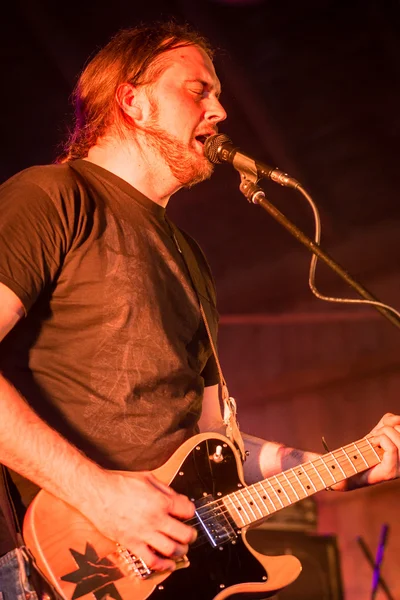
128 99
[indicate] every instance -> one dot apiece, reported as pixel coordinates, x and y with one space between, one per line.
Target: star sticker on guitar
94 574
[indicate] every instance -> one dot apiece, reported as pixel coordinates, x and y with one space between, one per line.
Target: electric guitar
81 563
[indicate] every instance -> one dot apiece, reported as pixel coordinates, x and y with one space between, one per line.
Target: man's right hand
142 514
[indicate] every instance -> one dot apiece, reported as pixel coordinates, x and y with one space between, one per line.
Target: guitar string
327 460
331 459
292 477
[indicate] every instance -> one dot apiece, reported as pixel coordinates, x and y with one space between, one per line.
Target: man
106 362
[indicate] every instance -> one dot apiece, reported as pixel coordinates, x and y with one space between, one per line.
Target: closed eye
198 91
202 88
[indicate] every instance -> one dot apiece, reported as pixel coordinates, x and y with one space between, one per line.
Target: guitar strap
206 306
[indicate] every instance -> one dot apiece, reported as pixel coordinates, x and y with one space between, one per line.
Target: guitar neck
258 501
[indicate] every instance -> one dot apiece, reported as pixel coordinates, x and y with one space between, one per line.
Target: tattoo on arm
291 457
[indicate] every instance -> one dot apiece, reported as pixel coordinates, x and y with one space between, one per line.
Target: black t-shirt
112 352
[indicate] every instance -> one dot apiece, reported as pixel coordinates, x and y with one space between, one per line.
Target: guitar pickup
213 520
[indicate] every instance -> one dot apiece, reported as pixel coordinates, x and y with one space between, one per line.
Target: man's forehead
193 64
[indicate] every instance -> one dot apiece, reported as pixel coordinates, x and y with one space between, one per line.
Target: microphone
219 148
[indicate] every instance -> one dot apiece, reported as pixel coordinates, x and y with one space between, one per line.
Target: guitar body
81 563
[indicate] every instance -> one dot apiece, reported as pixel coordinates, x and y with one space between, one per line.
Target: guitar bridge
133 564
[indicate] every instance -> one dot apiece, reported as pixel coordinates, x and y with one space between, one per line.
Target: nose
215 111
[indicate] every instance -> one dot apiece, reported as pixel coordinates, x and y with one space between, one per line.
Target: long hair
129 57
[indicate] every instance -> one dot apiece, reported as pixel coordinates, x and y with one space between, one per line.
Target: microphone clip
249 188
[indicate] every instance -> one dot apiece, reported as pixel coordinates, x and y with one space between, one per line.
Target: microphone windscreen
212 145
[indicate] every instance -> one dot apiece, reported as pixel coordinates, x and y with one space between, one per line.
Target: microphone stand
256 195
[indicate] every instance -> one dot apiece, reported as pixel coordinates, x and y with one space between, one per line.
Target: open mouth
201 139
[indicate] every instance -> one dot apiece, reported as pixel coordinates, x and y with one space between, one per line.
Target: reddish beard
185 164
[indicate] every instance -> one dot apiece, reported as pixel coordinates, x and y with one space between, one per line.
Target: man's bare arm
267 458
264 457
30 447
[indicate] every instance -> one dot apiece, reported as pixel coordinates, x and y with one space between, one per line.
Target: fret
247 502
297 497
361 454
348 460
373 450
332 455
269 497
354 468
276 493
224 513
238 510
304 472
331 474
324 485
322 459
282 487
298 480
268 512
253 502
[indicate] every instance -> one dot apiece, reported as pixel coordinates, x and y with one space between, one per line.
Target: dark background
310 86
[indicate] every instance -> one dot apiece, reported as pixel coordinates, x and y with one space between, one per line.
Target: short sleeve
32 238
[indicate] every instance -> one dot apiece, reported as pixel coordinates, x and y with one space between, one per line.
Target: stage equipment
320 578
377 579
219 148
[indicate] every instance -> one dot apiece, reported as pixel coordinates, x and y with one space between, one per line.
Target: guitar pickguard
212 568
81 563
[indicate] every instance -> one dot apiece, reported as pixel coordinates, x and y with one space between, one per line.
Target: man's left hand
385 434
